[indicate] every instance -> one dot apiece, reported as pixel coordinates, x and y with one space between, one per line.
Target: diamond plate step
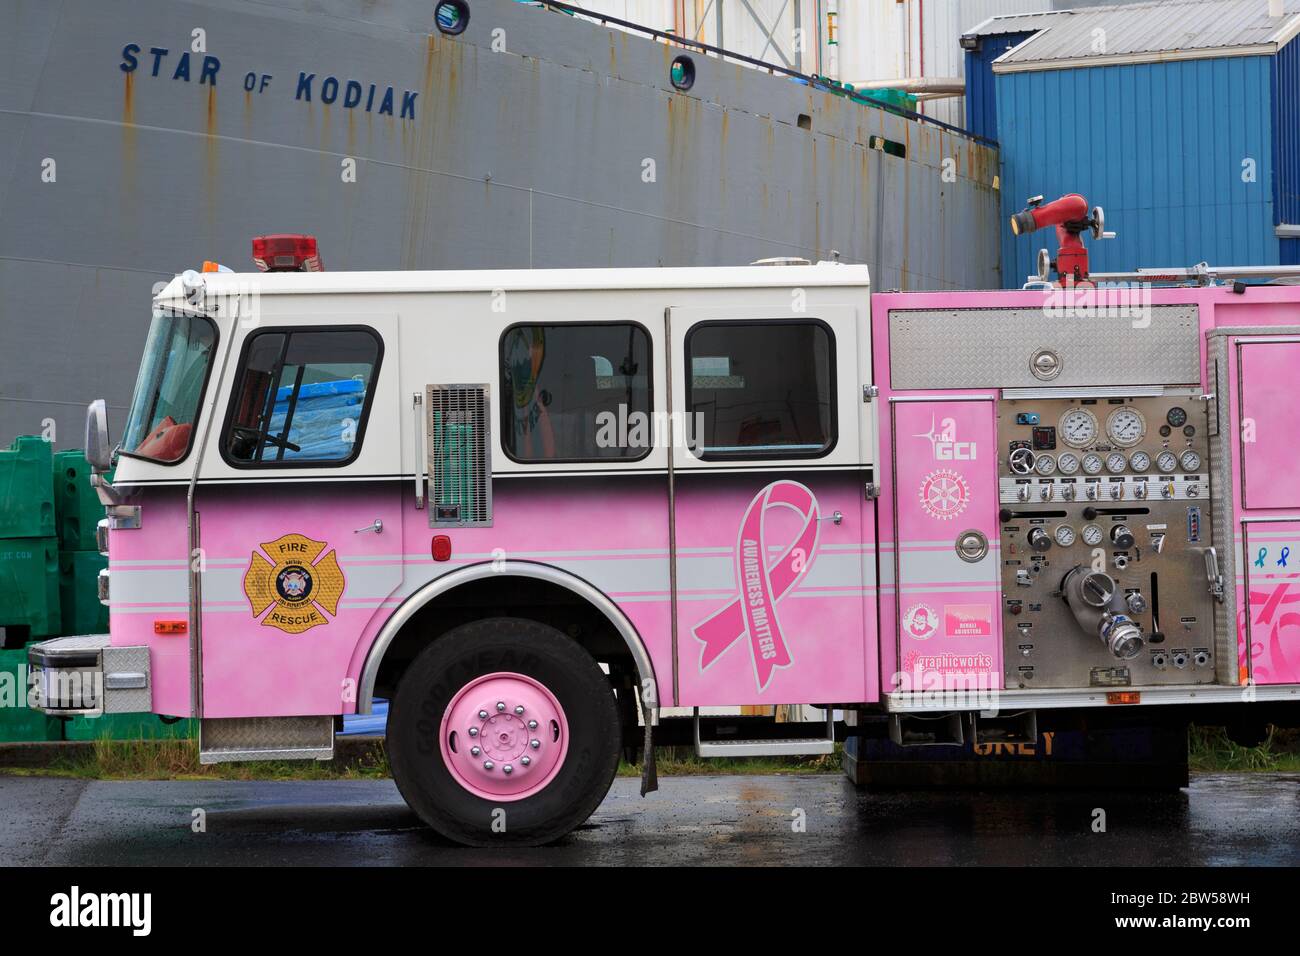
779 747
225 739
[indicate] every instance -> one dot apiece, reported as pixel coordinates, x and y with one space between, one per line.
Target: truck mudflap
85 675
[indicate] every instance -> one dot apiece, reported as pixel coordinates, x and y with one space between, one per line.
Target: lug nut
475 751
525 760
501 705
532 725
488 765
482 715
519 709
534 743
473 731
507 769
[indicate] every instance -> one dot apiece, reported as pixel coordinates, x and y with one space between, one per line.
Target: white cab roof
487 280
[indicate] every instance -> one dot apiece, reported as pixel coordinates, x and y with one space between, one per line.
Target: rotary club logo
944 494
295 582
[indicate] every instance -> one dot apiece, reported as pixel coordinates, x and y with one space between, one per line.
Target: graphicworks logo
76 909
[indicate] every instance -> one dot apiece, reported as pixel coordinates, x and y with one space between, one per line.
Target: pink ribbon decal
753 611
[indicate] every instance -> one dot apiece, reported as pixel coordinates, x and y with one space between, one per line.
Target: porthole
452 17
682 73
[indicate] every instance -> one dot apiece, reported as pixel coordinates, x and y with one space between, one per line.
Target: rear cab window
761 390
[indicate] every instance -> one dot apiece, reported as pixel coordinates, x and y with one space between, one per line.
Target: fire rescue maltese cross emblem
294 584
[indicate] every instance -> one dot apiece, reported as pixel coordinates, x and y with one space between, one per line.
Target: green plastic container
896 98
27 489
77 509
79 605
29 586
126 727
17 723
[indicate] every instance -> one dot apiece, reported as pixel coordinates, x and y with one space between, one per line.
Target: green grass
178 759
682 761
1210 751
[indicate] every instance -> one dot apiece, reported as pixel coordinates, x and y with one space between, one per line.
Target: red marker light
441 547
286 252
171 627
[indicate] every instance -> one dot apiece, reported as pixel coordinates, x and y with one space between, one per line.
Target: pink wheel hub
504 736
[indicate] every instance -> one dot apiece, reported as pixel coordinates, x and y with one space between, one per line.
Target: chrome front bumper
86 676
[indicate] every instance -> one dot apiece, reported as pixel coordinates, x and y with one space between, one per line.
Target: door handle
421 460
835 517
1212 576
377 527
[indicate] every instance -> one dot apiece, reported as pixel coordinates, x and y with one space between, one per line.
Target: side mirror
98 450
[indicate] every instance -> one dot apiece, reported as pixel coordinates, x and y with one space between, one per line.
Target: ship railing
816 82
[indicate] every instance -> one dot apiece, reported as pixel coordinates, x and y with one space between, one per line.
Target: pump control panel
1105 523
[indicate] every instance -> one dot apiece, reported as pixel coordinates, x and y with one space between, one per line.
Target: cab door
773 558
299 512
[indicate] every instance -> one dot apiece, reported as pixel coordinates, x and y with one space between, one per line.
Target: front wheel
503 731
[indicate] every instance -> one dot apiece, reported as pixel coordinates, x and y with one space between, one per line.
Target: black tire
483 647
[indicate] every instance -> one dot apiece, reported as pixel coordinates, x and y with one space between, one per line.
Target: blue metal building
1181 118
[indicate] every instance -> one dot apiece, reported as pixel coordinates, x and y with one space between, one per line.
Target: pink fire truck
540 511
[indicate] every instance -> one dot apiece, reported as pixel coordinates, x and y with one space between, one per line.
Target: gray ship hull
534 139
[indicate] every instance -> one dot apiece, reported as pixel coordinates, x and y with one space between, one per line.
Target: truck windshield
165 408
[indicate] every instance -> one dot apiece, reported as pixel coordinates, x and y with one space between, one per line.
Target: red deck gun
1071 217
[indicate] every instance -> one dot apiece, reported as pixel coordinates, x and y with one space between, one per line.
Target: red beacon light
286 252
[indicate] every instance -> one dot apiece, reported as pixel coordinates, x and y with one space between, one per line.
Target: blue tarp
325 419
376 723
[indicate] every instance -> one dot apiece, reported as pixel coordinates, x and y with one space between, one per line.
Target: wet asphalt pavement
1220 820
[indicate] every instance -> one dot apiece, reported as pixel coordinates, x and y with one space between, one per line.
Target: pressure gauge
1064 535
1092 535
1115 462
1078 427
1093 464
1177 416
1191 461
1125 426
1139 461
1044 464
1068 464
1167 463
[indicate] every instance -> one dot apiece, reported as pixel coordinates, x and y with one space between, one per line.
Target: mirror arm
108 495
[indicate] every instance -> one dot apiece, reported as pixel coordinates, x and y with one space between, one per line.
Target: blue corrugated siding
981 93
1286 135
1160 146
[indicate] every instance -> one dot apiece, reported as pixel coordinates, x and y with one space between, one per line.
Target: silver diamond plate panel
75 642
127 660
266 738
992 348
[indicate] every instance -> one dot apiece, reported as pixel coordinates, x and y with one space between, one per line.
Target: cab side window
576 392
302 397
760 390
